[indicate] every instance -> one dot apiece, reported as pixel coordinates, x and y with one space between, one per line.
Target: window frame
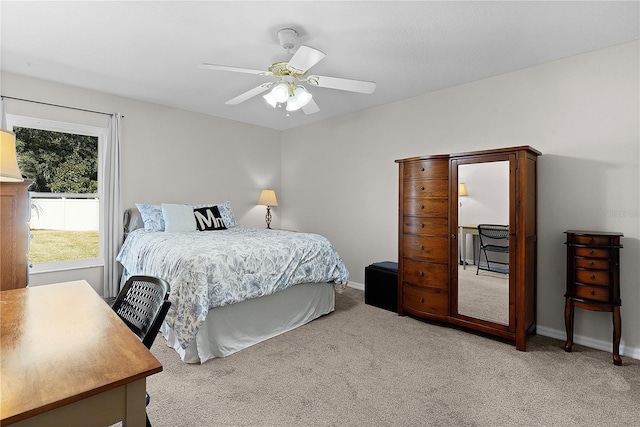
72 128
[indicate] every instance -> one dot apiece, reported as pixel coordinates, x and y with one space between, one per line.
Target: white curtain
3 116
113 207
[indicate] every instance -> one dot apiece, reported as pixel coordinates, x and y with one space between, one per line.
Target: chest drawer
426 207
596 293
592 277
422 225
426 248
591 240
425 188
596 264
592 252
425 301
426 274
420 169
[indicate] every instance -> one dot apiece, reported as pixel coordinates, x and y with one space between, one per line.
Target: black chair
142 304
494 244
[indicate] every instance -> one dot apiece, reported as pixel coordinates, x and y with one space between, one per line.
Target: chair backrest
142 304
493 231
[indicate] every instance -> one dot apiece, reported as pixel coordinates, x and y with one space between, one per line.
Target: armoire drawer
596 264
592 277
425 225
429 301
596 293
426 169
427 274
428 248
425 206
592 252
425 187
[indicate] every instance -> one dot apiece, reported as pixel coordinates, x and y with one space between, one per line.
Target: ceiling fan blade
304 58
311 107
234 69
342 84
249 94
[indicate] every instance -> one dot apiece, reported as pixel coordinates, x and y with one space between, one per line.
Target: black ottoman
381 285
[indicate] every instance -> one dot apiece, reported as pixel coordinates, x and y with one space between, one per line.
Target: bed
231 287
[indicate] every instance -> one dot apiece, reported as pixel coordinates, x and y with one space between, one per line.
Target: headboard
132 221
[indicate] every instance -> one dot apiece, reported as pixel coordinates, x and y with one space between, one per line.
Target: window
64 160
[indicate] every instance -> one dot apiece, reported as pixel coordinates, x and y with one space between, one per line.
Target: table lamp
268 199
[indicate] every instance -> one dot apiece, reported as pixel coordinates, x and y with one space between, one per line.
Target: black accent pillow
209 218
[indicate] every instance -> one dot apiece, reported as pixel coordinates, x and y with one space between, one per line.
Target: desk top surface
62 343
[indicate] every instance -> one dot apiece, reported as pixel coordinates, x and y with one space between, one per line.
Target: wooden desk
464 230
68 360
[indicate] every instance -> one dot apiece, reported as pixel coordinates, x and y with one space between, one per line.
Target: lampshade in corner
9 170
268 198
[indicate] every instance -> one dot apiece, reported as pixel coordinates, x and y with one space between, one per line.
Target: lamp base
267 217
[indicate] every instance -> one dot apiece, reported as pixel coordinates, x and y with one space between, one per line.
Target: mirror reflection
483 224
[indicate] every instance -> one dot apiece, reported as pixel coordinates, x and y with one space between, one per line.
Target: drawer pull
421 299
593 276
590 239
422 169
421 274
421 247
421 206
421 225
591 252
592 292
592 263
422 187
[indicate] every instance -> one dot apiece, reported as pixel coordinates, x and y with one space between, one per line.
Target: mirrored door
483 225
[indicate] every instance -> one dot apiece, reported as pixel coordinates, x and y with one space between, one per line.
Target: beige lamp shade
462 189
268 198
9 170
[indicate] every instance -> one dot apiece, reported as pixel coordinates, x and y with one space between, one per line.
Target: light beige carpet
364 366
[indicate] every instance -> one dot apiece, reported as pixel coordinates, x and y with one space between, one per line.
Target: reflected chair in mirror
143 304
494 245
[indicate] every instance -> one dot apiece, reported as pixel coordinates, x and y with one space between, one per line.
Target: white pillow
178 218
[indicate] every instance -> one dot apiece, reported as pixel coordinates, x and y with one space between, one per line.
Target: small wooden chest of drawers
593 279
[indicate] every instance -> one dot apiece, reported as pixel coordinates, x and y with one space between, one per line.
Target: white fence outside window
65 211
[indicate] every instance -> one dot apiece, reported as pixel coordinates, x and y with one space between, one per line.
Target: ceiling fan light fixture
270 99
280 92
300 98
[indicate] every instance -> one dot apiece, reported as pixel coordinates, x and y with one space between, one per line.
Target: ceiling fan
287 89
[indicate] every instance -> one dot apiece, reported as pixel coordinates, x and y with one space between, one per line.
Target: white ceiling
149 50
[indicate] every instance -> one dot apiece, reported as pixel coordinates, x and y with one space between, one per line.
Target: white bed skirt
231 328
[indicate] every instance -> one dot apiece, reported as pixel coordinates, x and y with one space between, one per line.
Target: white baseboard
631 352
356 285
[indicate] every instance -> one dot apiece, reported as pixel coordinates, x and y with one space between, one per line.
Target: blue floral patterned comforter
207 269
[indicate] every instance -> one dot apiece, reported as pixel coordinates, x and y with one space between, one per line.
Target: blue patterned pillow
225 212
151 216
